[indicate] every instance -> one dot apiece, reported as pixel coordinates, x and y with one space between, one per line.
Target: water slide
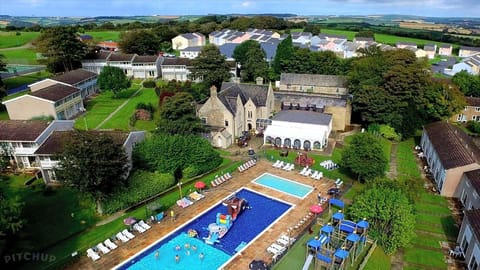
308 261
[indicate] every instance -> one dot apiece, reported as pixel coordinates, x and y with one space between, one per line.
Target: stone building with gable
236 108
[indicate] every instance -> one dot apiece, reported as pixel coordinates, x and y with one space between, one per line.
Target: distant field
382 38
20 56
10 39
25 79
105 35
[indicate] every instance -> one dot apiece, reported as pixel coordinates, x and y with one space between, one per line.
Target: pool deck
255 250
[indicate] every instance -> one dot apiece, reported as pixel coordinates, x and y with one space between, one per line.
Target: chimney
259 80
213 91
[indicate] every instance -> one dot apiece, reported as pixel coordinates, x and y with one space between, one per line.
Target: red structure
303 160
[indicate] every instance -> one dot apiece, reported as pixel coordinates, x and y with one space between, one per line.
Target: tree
6 152
312 28
211 66
469 84
113 78
141 42
252 58
389 213
365 157
284 53
62 49
10 215
93 163
178 116
365 33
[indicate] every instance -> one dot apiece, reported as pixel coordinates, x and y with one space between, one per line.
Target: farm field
20 56
104 35
10 39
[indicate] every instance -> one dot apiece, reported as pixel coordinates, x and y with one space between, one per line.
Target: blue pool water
283 185
262 213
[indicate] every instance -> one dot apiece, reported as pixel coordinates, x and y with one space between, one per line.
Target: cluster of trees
180 155
396 89
199 91
62 50
364 157
211 66
469 84
178 116
388 207
113 79
251 57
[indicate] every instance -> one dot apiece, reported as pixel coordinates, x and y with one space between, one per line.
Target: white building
469 239
191 52
299 129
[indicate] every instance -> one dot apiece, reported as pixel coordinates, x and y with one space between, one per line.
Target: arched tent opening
306 145
297 144
278 141
317 145
287 142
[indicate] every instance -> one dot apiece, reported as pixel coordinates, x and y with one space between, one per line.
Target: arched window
278 141
307 145
317 145
287 142
297 144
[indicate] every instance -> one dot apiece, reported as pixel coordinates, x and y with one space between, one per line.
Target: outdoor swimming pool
262 213
283 185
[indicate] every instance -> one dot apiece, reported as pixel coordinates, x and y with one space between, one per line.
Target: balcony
48 164
25 150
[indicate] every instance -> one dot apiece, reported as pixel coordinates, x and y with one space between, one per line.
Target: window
464 197
204 120
249 113
226 123
476 118
465 244
477 109
461 118
473 265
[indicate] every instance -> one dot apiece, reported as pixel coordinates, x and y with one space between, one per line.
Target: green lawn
378 261
406 162
20 56
349 34
10 39
104 35
51 214
429 258
26 79
121 119
101 106
427 240
4 115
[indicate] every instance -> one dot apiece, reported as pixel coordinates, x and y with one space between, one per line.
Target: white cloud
246 4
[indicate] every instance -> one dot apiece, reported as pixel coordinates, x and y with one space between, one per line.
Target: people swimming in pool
201 256
157 254
187 246
187 252
194 248
177 247
177 258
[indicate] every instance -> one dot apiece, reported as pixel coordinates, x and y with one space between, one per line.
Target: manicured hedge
142 185
149 84
193 155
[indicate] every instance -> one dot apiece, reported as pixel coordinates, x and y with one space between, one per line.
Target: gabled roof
406 43
474 178
145 59
55 92
446 46
189 36
176 61
121 57
21 130
429 47
466 48
102 55
453 146
473 101
230 91
75 76
192 49
473 218
367 39
55 142
305 117
313 79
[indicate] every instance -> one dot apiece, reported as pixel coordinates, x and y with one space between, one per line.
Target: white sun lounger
128 234
286 238
138 228
292 166
279 165
303 170
276 163
308 172
144 225
103 248
319 175
314 174
122 237
110 244
92 254
285 167
282 242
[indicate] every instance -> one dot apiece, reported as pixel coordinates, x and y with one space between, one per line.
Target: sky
90 8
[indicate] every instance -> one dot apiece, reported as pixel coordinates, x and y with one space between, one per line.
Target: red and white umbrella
200 185
316 209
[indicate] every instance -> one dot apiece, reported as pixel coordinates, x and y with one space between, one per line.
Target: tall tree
390 215
141 42
312 28
93 163
364 157
211 66
254 64
61 47
240 52
113 79
469 84
284 53
365 33
178 115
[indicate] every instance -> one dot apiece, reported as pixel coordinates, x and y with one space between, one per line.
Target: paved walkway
25 46
120 107
393 173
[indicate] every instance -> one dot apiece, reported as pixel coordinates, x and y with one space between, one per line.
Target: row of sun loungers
247 165
195 196
317 175
285 166
220 180
280 245
339 183
108 245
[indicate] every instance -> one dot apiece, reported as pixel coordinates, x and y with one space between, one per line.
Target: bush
149 84
165 153
142 185
473 126
389 133
145 106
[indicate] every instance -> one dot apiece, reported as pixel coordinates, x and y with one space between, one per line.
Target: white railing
48 164
25 150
